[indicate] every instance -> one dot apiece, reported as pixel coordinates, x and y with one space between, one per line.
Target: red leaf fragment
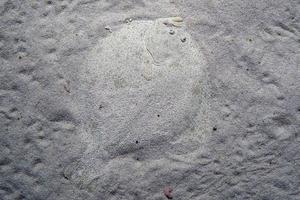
168 192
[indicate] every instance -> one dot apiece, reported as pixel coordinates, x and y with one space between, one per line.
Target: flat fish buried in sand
152 88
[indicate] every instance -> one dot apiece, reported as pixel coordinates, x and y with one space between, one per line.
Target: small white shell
177 19
173 21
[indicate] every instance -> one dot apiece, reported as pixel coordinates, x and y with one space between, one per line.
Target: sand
149 100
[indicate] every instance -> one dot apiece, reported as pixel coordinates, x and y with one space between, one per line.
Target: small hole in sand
281 98
27 140
67 178
136 141
37 161
265 74
41 137
250 125
215 129
158 115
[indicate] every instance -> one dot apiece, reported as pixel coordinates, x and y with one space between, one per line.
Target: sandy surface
150 99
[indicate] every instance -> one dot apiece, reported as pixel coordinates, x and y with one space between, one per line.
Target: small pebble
172 32
183 39
128 20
